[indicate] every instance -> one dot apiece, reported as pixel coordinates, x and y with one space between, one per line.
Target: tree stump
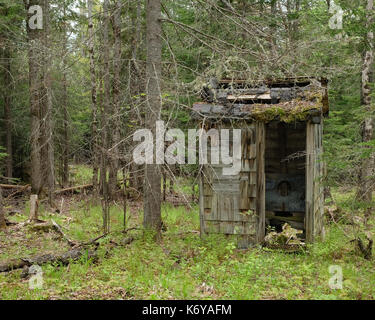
34 205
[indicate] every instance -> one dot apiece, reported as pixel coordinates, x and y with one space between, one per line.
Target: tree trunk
35 37
105 122
49 153
65 136
93 99
136 87
365 182
116 113
65 155
152 189
7 111
2 213
164 184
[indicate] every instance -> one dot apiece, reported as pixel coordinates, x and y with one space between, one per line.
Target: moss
298 109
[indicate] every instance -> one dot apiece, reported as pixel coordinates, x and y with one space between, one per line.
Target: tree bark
94 106
35 37
137 86
365 182
152 189
49 144
7 111
65 135
2 213
116 112
105 122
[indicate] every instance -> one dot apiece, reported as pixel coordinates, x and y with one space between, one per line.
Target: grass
181 265
80 174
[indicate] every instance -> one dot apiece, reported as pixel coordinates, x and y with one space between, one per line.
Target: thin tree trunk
105 122
136 87
365 183
94 106
164 184
7 111
50 159
152 189
125 195
106 81
65 155
35 75
116 114
2 213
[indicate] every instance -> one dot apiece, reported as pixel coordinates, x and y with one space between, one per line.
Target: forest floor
180 266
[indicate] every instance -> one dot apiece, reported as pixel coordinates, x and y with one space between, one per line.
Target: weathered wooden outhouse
281 124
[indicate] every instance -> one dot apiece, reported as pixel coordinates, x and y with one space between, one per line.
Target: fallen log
23 188
74 189
13 186
64 258
19 190
10 223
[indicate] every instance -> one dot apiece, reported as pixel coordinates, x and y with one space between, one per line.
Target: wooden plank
261 182
253 204
252 191
286 219
226 187
266 96
201 206
212 227
207 202
253 178
225 208
253 151
244 196
319 190
310 162
231 227
207 189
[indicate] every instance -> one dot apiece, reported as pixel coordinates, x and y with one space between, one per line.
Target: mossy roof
304 103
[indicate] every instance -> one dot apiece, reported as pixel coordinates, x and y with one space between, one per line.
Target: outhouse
280 180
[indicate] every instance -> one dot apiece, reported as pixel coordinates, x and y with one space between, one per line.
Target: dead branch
12 186
366 251
59 230
20 190
74 189
64 258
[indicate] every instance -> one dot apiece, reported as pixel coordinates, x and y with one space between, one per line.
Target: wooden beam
266 96
310 161
261 182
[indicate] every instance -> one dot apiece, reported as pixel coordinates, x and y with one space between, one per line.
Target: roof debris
287 100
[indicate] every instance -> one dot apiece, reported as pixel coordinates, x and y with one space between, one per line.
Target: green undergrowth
179 266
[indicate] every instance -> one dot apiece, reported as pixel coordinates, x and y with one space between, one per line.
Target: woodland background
73 93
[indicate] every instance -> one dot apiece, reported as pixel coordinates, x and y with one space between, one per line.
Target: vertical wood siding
229 204
314 187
